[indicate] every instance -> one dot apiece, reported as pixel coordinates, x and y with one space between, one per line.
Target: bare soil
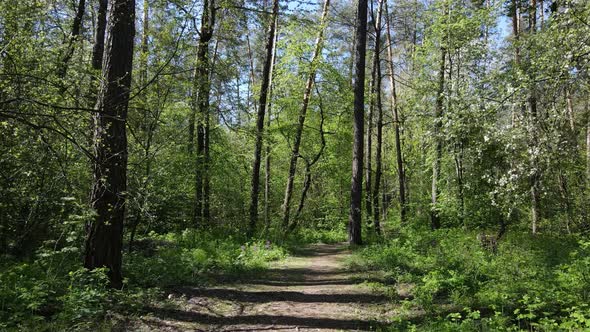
311 291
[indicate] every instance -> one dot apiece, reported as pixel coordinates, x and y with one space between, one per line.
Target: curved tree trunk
302 114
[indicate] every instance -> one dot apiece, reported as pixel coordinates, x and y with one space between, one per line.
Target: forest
294 165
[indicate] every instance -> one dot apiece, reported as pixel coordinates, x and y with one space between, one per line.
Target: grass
531 283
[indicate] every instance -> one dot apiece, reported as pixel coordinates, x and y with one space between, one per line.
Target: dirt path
308 292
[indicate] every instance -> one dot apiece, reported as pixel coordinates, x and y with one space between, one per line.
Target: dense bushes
52 292
536 282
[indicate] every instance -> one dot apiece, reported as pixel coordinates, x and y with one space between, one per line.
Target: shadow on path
275 321
276 296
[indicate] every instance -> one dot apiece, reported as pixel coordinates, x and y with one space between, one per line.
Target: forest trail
310 291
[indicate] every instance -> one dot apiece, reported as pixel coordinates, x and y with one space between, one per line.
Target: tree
302 114
396 123
379 124
74 36
264 85
356 191
105 233
101 23
200 106
438 113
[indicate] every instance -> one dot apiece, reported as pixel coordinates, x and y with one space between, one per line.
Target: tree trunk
143 70
202 88
369 145
309 164
570 111
76 28
302 114
460 185
268 149
255 183
534 123
101 23
398 148
438 114
105 233
587 111
356 190
379 124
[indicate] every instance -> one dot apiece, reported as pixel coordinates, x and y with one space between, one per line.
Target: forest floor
309 291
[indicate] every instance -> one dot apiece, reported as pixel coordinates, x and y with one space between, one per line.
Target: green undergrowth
539 283
51 292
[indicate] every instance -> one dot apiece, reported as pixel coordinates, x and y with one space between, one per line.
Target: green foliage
308 235
52 288
187 257
531 282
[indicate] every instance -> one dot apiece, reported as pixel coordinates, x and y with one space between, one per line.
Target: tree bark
267 158
309 164
255 183
105 233
76 28
202 88
368 153
101 23
302 114
401 175
534 123
143 72
570 110
438 114
379 124
356 190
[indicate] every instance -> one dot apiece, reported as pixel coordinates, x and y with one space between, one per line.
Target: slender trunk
394 107
255 183
570 110
587 113
105 233
438 114
379 124
356 190
534 123
566 200
202 87
542 14
459 174
309 164
302 114
74 37
143 64
268 143
516 31
369 144
101 23
352 51
252 76
207 149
